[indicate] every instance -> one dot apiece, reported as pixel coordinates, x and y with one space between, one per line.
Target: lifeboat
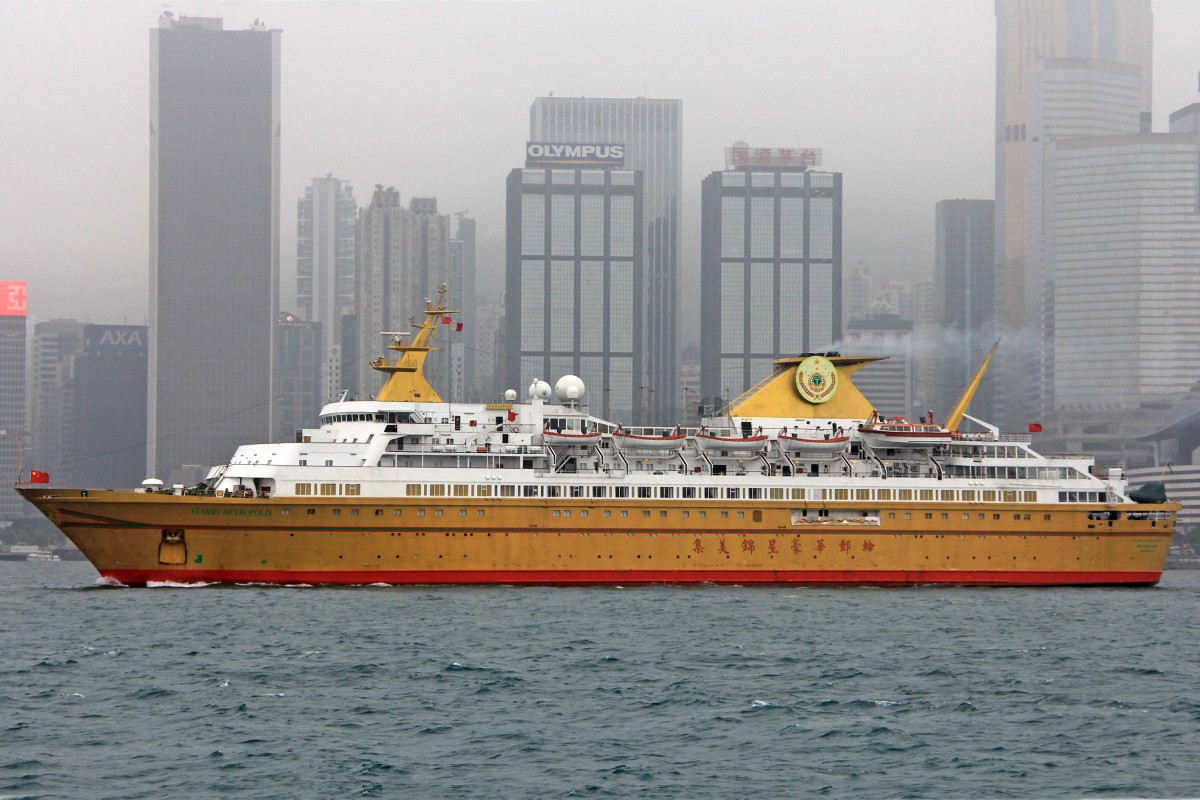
709 442
899 433
555 438
813 440
667 441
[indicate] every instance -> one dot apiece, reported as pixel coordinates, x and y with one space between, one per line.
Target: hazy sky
433 98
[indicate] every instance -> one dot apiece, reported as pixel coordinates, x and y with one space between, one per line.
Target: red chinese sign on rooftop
12 298
743 155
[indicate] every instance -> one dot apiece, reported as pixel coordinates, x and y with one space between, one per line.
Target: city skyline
885 229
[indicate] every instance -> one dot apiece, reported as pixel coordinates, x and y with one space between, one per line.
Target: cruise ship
800 483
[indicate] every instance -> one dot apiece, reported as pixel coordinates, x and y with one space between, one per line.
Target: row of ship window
703 493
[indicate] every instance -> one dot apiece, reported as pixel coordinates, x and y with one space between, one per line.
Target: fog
434 98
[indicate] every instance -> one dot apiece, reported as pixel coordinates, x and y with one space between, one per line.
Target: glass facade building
964 283
12 396
651 131
214 240
575 280
771 272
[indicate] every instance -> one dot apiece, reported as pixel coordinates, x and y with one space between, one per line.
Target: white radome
569 388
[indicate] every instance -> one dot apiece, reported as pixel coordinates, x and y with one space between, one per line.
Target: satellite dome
510 395
539 390
569 389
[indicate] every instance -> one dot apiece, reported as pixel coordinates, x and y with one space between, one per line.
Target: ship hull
138 539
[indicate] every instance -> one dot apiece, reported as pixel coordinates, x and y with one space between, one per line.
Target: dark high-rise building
325 256
650 131
12 396
214 239
575 280
55 343
964 283
297 394
771 272
107 392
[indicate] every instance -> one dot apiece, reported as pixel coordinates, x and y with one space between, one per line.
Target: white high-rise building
325 257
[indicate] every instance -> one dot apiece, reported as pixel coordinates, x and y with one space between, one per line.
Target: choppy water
659 692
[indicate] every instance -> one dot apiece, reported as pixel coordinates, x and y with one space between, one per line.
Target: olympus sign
553 154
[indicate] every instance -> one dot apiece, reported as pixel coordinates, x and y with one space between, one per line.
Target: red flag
446 320
1035 427
512 415
37 476
458 327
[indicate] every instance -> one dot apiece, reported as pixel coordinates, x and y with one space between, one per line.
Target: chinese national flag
1035 427
37 476
512 415
446 320
458 326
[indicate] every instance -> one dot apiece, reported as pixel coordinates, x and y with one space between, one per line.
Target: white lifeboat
814 440
569 438
741 444
675 440
899 433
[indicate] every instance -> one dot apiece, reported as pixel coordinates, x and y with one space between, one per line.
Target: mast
406 381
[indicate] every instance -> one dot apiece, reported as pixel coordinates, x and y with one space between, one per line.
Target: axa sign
127 339
556 154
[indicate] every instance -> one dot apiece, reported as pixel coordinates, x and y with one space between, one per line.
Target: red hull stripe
642 577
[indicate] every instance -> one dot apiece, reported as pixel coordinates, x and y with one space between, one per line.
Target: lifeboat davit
667 441
899 433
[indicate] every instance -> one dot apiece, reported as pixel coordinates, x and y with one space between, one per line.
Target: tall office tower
214 240
381 304
325 257
427 268
1043 75
403 259
964 283
50 408
574 284
1124 239
465 382
107 389
488 353
12 396
650 131
770 270
888 383
299 361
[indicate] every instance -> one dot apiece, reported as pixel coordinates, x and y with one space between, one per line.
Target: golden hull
138 538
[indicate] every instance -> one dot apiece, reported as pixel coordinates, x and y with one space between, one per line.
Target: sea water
718 692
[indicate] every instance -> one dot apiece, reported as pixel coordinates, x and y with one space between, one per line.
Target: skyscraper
964 284
107 391
12 396
574 282
214 240
55 342
771 271
325 253
651 132
403 258
1064 69
298 364
465 384
1124 240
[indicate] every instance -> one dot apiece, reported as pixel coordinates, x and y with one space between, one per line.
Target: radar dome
539 390
569 389
510 395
